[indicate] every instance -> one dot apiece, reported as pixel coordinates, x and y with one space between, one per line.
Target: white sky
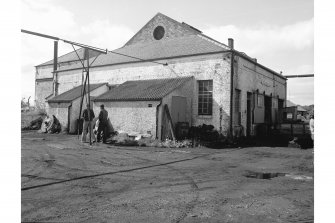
279 33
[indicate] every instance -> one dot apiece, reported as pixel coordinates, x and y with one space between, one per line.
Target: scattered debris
50 125
294 143
34 124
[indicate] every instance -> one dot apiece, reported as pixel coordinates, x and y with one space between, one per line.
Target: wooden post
88 94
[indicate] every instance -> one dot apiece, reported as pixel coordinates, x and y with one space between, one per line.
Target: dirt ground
66 181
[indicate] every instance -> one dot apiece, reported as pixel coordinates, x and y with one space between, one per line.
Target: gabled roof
177 47
143 90
73 94
180 40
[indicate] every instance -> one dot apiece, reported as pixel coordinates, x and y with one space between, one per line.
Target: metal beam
298 76
66 41
40 34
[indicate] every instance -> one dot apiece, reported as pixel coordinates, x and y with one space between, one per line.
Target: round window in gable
159 32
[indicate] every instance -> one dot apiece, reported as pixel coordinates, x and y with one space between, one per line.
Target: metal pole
299 76
88 92
55 86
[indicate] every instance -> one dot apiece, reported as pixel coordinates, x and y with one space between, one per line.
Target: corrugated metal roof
184 46
143 90
73 94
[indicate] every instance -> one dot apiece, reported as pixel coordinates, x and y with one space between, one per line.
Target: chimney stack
231 43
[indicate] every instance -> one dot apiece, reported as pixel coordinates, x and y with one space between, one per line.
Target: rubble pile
50 125
34 124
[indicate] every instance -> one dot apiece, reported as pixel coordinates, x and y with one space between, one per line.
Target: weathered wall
172 29
249 77
206 67
131 116
60 111
44 87
42 90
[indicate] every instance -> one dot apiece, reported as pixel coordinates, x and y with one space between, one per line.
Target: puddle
299 177
261 175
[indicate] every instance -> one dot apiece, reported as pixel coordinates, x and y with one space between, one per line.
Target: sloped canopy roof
72 94
143 90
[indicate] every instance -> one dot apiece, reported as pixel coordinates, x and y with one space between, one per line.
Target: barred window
205 99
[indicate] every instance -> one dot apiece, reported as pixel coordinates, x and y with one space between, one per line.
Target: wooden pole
88 94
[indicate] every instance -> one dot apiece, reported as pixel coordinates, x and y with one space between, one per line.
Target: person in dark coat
88 116
103 124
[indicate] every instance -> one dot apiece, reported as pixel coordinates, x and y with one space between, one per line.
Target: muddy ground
66 181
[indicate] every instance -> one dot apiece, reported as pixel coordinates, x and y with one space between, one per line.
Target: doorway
178 109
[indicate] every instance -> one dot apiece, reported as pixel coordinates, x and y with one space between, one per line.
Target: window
237 106
205 99
159 32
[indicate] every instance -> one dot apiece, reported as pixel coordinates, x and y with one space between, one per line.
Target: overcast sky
279 33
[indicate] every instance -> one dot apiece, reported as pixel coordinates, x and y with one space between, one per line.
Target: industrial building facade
224 88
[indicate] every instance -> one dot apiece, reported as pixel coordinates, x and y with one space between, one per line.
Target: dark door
268 110
178 109
249 118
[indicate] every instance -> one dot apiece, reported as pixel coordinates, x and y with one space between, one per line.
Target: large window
205 99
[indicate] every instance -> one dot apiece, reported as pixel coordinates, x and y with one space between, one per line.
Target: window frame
205 97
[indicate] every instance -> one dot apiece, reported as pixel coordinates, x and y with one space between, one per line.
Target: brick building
229 89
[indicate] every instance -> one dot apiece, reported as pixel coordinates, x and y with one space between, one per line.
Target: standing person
103 115
311 126
88 116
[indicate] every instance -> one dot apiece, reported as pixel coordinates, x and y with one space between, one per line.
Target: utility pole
55 79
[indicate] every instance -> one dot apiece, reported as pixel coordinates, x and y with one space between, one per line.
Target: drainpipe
157 115
69 117
231 45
